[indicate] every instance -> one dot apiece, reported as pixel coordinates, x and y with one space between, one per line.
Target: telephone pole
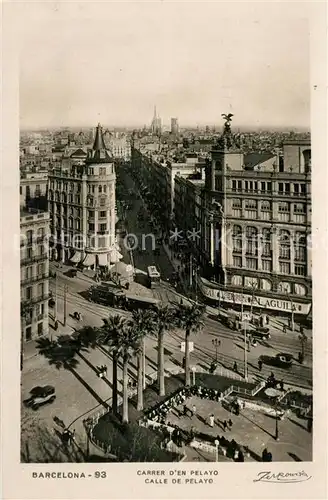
65 304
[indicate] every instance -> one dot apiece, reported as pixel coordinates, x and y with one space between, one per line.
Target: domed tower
99 217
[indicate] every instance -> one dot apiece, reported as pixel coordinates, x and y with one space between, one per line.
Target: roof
251 160
99 153
79 153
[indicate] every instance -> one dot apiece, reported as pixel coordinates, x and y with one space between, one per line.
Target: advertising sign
275 304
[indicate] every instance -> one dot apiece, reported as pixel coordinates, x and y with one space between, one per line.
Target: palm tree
190 318
60 352
129 346
143 323
25 312
110 335
164 319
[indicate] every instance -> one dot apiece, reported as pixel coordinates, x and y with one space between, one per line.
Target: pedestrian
240 457
230 423
235 367
264 455
193 410
310 424
212 420
185 410
284 329
237 409
281 384
184 362
225 425
260 364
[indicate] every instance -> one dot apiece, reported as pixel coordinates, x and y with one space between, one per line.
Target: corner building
82 208
258 235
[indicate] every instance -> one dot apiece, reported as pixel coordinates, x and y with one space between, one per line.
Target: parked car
41 396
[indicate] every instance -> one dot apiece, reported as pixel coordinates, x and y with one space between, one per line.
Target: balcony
34 279
34 258
35 300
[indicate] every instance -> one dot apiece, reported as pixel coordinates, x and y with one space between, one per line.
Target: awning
89 260
102 259
115 256
76 257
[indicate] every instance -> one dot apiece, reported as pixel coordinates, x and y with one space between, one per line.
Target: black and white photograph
166 239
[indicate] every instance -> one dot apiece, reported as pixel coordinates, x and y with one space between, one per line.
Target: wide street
81 390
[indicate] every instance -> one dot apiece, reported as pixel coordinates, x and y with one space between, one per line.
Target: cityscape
166 287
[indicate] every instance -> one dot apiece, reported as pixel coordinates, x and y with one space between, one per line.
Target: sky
81 64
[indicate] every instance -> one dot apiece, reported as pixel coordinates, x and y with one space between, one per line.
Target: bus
154 276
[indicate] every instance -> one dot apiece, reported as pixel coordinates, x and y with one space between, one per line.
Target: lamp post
273 393
245 335
193 369
216 442
216 343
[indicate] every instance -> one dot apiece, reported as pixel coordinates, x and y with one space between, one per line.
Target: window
234 185
266 284
251 263
91 214
263 187
300 270
41 250
300 247
102 214
28 333
269 186
70 222
240 185
40 289
105 188
287 188
251 204
91 171
40 329
29 236
284 244
77 199
237 239
284 267
93 188
236 203
99 189
266 206
246 187
65 186
102 171
77 225
237 261
102 201
299 208
303 189
41 269
28 272
296 189
284 287
28 293
237 280
70 198
280 188
300 289
79 188
103 227
71 187
284 207
91 227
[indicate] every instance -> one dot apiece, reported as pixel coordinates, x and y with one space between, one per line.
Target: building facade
258 227
81 198
34 261
33 187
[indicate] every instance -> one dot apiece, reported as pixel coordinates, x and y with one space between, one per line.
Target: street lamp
245 335
193 369
292 307
216 442
216 343
273 393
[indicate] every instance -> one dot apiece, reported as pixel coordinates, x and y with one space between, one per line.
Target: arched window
99 189
251 240
284 287
306 156
266 285
300 246
284 244
237 280
237 236
300 289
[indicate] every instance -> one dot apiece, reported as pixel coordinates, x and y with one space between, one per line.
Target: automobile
261 333
73 273
41 396
284 360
